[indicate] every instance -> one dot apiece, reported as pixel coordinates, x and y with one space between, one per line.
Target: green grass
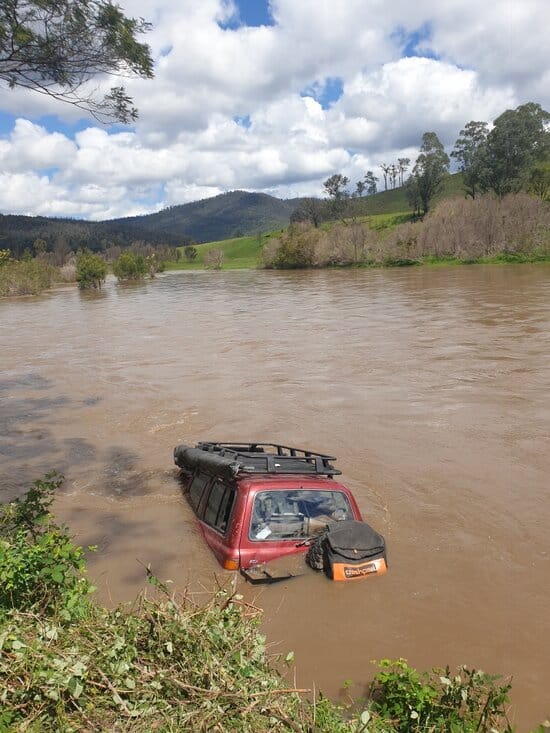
394 201
240 253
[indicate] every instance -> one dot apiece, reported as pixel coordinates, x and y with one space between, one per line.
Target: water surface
432 386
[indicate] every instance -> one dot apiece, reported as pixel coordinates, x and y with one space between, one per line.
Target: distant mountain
237 213
233 214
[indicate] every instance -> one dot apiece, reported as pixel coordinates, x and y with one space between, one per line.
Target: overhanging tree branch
56 47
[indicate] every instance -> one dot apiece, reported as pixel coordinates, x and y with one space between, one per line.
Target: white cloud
31 146
391 107
188 142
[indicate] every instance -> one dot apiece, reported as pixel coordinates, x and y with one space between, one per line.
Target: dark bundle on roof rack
232 458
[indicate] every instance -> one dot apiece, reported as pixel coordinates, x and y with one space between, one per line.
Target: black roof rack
234 458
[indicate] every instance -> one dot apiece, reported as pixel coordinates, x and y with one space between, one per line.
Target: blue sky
252 13
273 96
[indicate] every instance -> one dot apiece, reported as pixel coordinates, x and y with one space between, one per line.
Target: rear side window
219 505
198 484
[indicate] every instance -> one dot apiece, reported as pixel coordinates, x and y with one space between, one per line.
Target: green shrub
469 702
27 277
40 568
129 266
91 270
294 249
190 252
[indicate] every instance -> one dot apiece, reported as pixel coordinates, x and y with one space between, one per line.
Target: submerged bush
91 270
129 266
27 277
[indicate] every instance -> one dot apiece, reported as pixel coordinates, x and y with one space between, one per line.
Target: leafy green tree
336 189
430 169
335 186
129 266
370 180
91 270
467 154
190 252
519 139
40 247
539 182
413 195
360 188
310 209
56 46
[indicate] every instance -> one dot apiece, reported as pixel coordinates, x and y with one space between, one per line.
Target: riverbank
515 229
427 261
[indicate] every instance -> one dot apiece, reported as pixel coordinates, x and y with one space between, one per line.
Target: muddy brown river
432 386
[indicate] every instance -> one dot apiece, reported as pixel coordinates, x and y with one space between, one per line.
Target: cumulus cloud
31 146
242 107
392 106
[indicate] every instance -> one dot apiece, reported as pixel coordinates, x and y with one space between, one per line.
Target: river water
432 386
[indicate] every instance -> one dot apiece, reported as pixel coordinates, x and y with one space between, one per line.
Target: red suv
259 501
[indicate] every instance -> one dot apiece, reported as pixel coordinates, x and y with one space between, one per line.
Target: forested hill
228 215
233 214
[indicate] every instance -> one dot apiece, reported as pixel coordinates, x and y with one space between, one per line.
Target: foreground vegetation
169 664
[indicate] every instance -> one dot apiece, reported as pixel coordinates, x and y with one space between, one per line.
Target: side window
198 484
219 504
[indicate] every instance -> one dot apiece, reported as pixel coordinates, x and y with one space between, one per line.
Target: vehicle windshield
296 513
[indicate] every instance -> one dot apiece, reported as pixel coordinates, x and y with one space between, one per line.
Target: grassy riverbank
459 231
168 664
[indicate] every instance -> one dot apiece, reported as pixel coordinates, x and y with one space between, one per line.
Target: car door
215 518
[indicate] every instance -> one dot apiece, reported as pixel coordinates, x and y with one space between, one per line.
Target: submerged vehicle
256 502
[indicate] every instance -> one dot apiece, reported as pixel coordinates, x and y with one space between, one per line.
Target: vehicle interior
296 513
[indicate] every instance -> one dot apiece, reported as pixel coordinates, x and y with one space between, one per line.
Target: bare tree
403 164
213 259
385 170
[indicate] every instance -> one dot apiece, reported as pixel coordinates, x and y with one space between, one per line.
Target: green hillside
239 253
233 214
394 201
